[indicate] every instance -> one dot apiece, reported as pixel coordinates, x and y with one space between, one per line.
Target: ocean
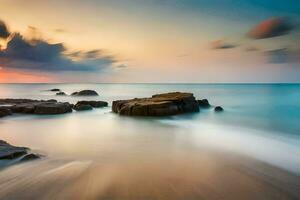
260 121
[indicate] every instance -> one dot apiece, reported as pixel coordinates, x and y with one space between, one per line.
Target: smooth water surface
259 121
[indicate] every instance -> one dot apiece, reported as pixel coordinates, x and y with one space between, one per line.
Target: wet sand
207 175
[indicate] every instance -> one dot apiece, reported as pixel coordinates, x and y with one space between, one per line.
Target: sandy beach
207 175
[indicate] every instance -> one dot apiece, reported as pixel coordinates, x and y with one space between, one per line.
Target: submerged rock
158 105
218 109
85 93
204 103
82 107
94 104
61 94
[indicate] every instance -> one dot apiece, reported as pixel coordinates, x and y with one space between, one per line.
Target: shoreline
207 175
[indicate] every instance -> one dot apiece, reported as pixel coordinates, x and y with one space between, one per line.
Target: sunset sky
203 41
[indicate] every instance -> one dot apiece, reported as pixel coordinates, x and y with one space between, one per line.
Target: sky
150 41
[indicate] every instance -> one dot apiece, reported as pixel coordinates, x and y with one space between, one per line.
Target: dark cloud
4 33
284 55
41 55
271 28
221 44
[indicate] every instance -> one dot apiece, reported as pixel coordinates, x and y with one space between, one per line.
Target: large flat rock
158 105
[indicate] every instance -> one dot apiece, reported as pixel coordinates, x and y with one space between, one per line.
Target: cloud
221 44
43 56
4 33
283 55
271 28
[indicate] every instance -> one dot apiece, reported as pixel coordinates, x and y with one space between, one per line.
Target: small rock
61 94
82 107
203 103
55 90
85 93
218 109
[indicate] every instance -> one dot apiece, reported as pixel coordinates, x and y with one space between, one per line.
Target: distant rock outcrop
85 93
158 105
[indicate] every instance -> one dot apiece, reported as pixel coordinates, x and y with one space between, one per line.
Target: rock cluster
41 107
28 106
158 105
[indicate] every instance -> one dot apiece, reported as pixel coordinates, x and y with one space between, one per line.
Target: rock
30 157
19 101
61 94
218 109
52 108
94 104
8 151
55 90
158 105
82 107
4 111
85 93
26 108
29 106
203 103
50 100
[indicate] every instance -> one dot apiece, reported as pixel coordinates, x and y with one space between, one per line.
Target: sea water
259 120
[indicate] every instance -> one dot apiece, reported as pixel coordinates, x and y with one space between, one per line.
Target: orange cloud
271 28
